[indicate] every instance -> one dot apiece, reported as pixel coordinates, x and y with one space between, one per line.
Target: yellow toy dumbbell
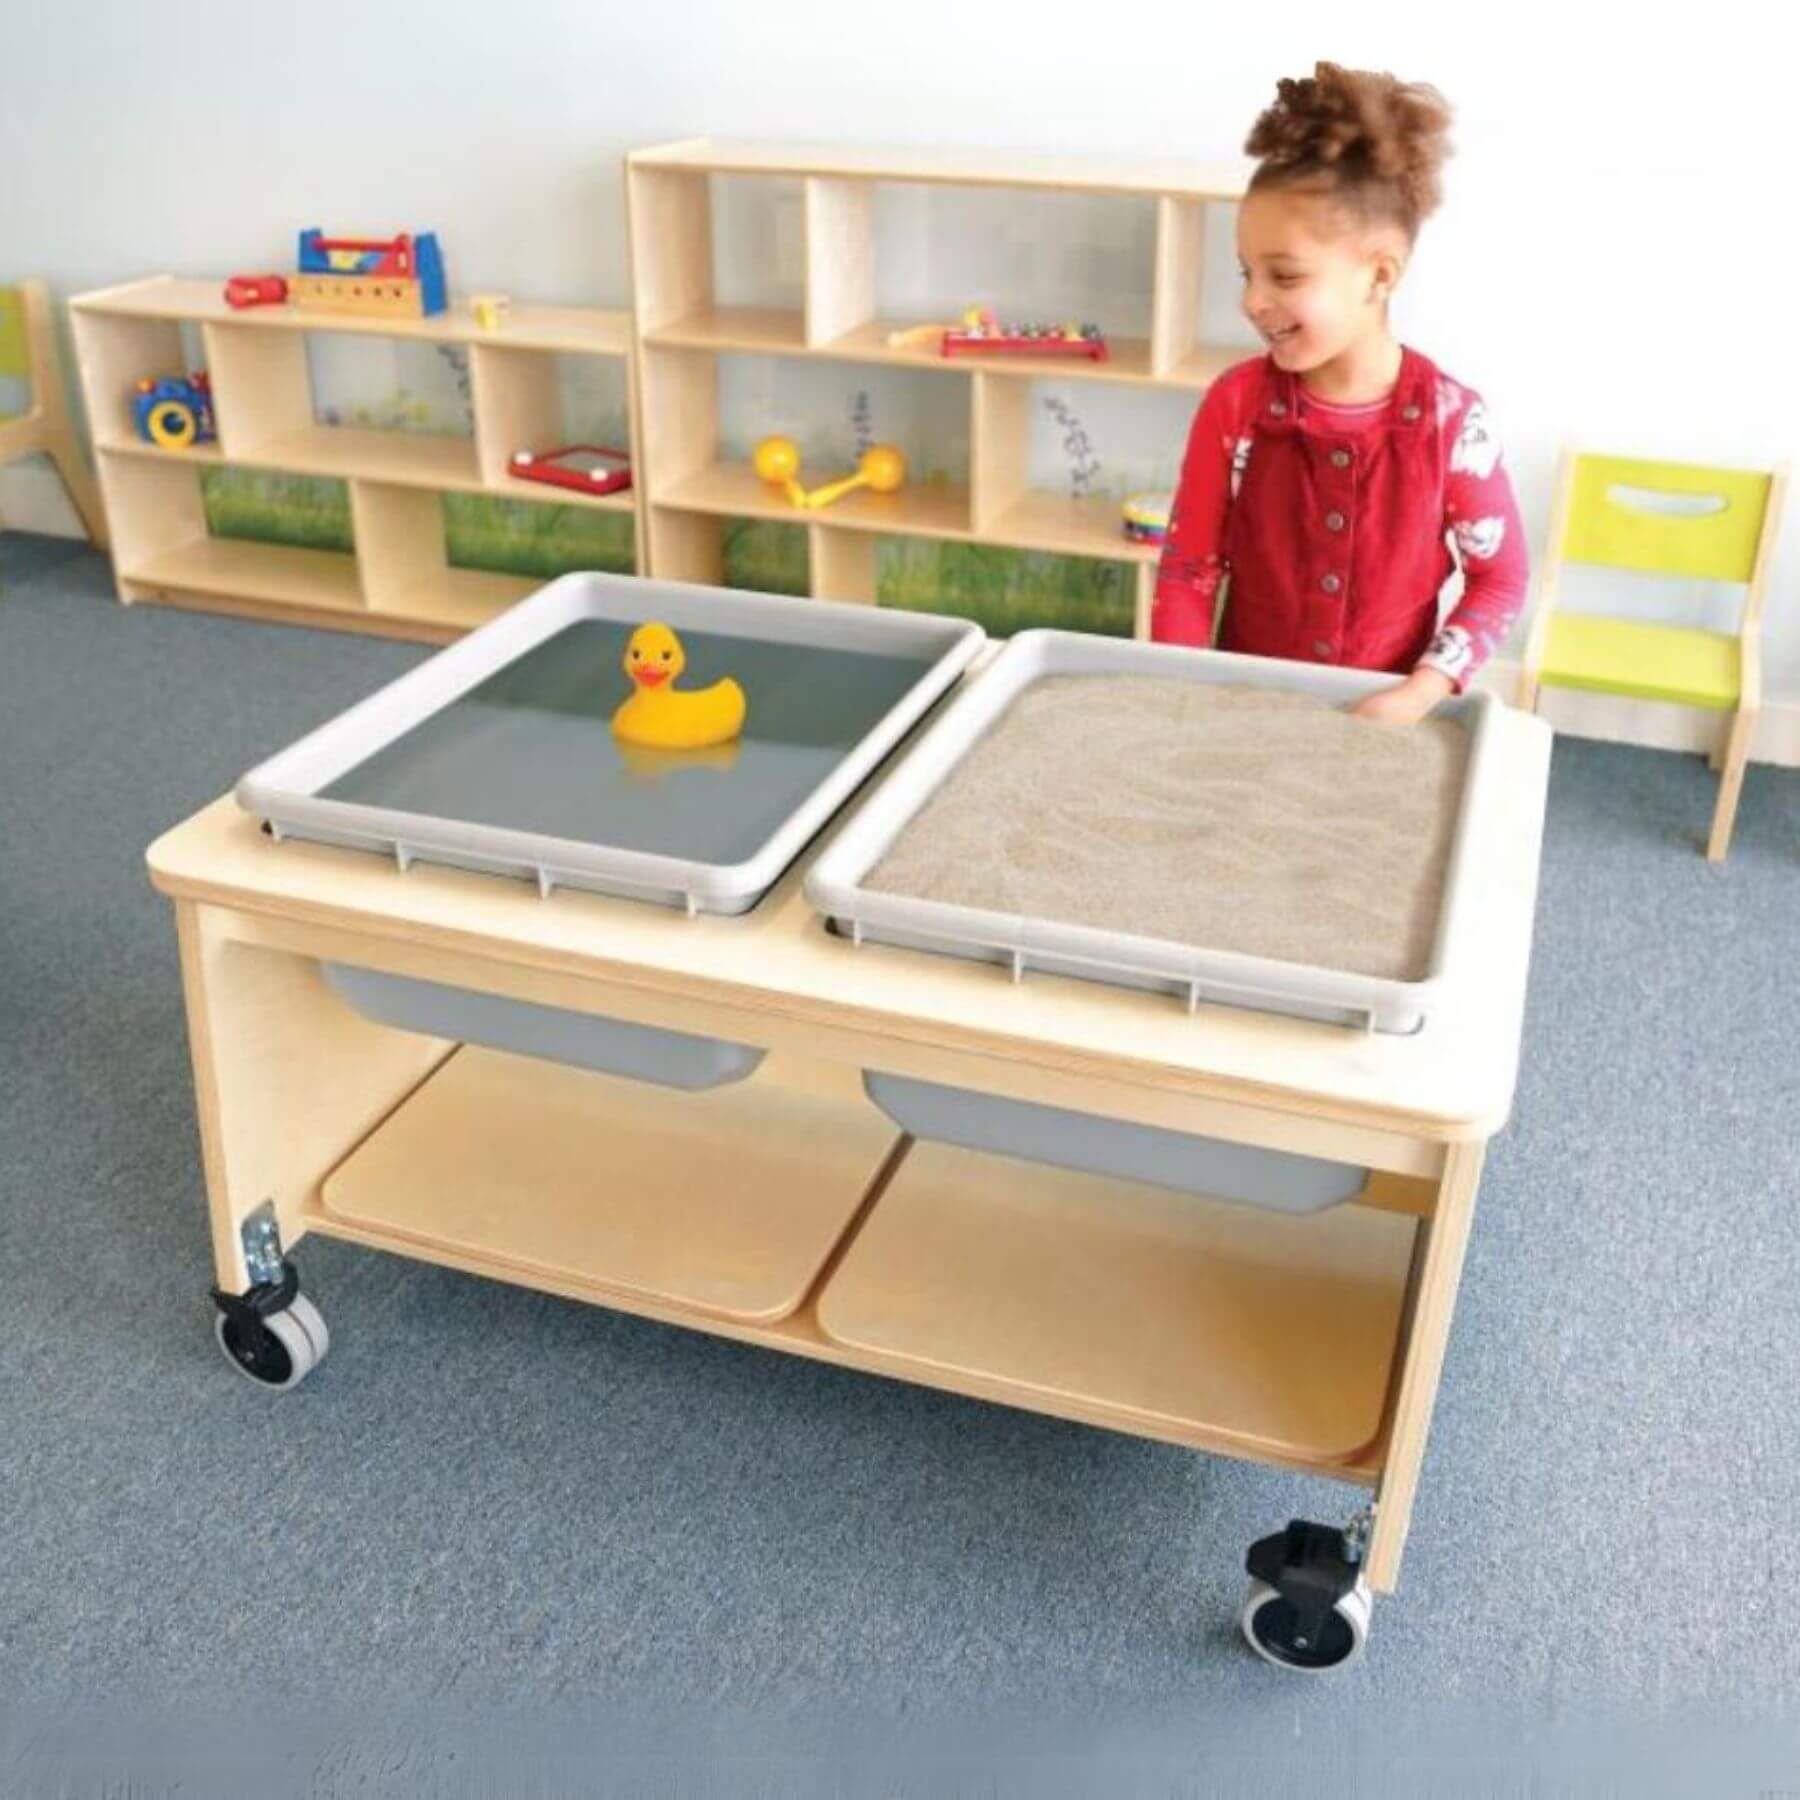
777 461
880 467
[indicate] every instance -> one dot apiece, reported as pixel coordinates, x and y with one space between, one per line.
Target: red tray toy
585 467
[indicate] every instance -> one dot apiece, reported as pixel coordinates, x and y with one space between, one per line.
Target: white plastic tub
496 754
1194 972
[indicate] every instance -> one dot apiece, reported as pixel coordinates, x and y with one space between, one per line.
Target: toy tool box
398 277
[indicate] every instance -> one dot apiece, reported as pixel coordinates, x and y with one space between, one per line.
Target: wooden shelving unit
682 331
397 581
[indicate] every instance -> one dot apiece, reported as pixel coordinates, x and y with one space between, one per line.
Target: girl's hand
1409 702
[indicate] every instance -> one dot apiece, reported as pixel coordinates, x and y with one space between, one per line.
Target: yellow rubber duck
658 717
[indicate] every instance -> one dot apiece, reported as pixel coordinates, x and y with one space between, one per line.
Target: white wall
1616 259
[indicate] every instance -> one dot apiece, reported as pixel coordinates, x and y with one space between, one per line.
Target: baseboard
1652 726
32 499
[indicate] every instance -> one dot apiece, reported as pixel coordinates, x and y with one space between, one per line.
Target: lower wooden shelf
277 581
316 579
1245 1329
444 465
920 509
1054 524
725 1201
784 1210
1065 526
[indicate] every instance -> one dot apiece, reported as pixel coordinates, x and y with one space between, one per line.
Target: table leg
1444 1237
287 1079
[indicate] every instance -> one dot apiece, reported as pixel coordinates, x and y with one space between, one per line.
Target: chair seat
1645 662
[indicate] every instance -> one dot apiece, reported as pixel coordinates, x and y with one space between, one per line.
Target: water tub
497 755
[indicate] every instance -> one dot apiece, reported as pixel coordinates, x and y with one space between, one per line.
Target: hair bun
1361 126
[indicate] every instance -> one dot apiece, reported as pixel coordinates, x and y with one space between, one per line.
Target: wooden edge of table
1451 1083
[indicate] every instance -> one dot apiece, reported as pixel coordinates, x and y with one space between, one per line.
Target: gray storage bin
588 1041
1277 1179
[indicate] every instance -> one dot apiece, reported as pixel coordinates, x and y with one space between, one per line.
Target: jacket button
1340 459
1409 413
1331 584
1278 406
1334 521
1321 646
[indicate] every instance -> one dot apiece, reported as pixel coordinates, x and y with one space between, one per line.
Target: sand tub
1210 825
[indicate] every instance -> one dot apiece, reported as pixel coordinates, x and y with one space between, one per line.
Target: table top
1451 1081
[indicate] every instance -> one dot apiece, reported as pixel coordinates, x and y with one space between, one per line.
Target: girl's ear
1387 265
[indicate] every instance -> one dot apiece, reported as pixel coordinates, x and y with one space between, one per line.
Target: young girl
1322 478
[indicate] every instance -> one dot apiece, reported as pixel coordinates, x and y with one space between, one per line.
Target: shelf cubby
404 565
1032 469
112 362
692 471
766 555
164 546
262 390
1071 253
263 366
521 402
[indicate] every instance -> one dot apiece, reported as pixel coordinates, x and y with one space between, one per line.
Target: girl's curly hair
1361 138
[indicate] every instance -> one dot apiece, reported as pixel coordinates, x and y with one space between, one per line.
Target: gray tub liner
1275 1179
791 786
1190 971
587 1040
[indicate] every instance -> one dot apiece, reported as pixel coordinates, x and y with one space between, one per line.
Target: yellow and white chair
28 353
1731 538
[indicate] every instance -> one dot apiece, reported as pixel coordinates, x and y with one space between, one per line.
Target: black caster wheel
1308 1607
1275 1631
272 1335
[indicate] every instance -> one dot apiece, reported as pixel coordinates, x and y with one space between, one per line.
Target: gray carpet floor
489 1499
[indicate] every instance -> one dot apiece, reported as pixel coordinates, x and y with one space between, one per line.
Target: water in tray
531 748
